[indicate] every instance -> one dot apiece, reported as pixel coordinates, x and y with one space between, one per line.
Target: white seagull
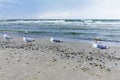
99 46
55 40
7 37
26 39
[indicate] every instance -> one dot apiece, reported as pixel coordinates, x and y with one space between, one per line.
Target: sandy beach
45 60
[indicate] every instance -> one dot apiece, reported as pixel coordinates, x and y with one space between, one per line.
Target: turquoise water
74 29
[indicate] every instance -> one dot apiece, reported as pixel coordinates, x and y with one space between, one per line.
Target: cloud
60 8
95 9
107 9
8 4
54 14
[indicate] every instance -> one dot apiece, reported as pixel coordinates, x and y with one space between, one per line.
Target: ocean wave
95 21
79 33
28 21
83 29
23 31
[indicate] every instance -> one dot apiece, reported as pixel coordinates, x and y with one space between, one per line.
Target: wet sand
45 60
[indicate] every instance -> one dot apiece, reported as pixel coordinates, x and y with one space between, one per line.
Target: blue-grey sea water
70 29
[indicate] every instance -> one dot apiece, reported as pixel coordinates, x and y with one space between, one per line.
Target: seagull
7 37
55 40
99 46
97 39
26 39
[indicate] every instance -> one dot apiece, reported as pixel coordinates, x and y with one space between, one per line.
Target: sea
67 29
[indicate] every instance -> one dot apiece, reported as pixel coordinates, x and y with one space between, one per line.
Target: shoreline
109 43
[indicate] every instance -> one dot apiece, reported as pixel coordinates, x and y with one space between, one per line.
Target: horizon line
59 19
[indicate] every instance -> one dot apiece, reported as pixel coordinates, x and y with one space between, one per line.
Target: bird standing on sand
99 46
97 39
55 40
7 37
26 39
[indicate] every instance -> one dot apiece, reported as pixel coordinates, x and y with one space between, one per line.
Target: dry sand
45 60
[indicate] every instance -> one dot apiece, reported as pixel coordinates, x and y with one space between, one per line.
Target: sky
59 9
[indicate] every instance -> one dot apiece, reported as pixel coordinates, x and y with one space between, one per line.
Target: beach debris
7 37
56 40
85 69
108 69
99 46
27 39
